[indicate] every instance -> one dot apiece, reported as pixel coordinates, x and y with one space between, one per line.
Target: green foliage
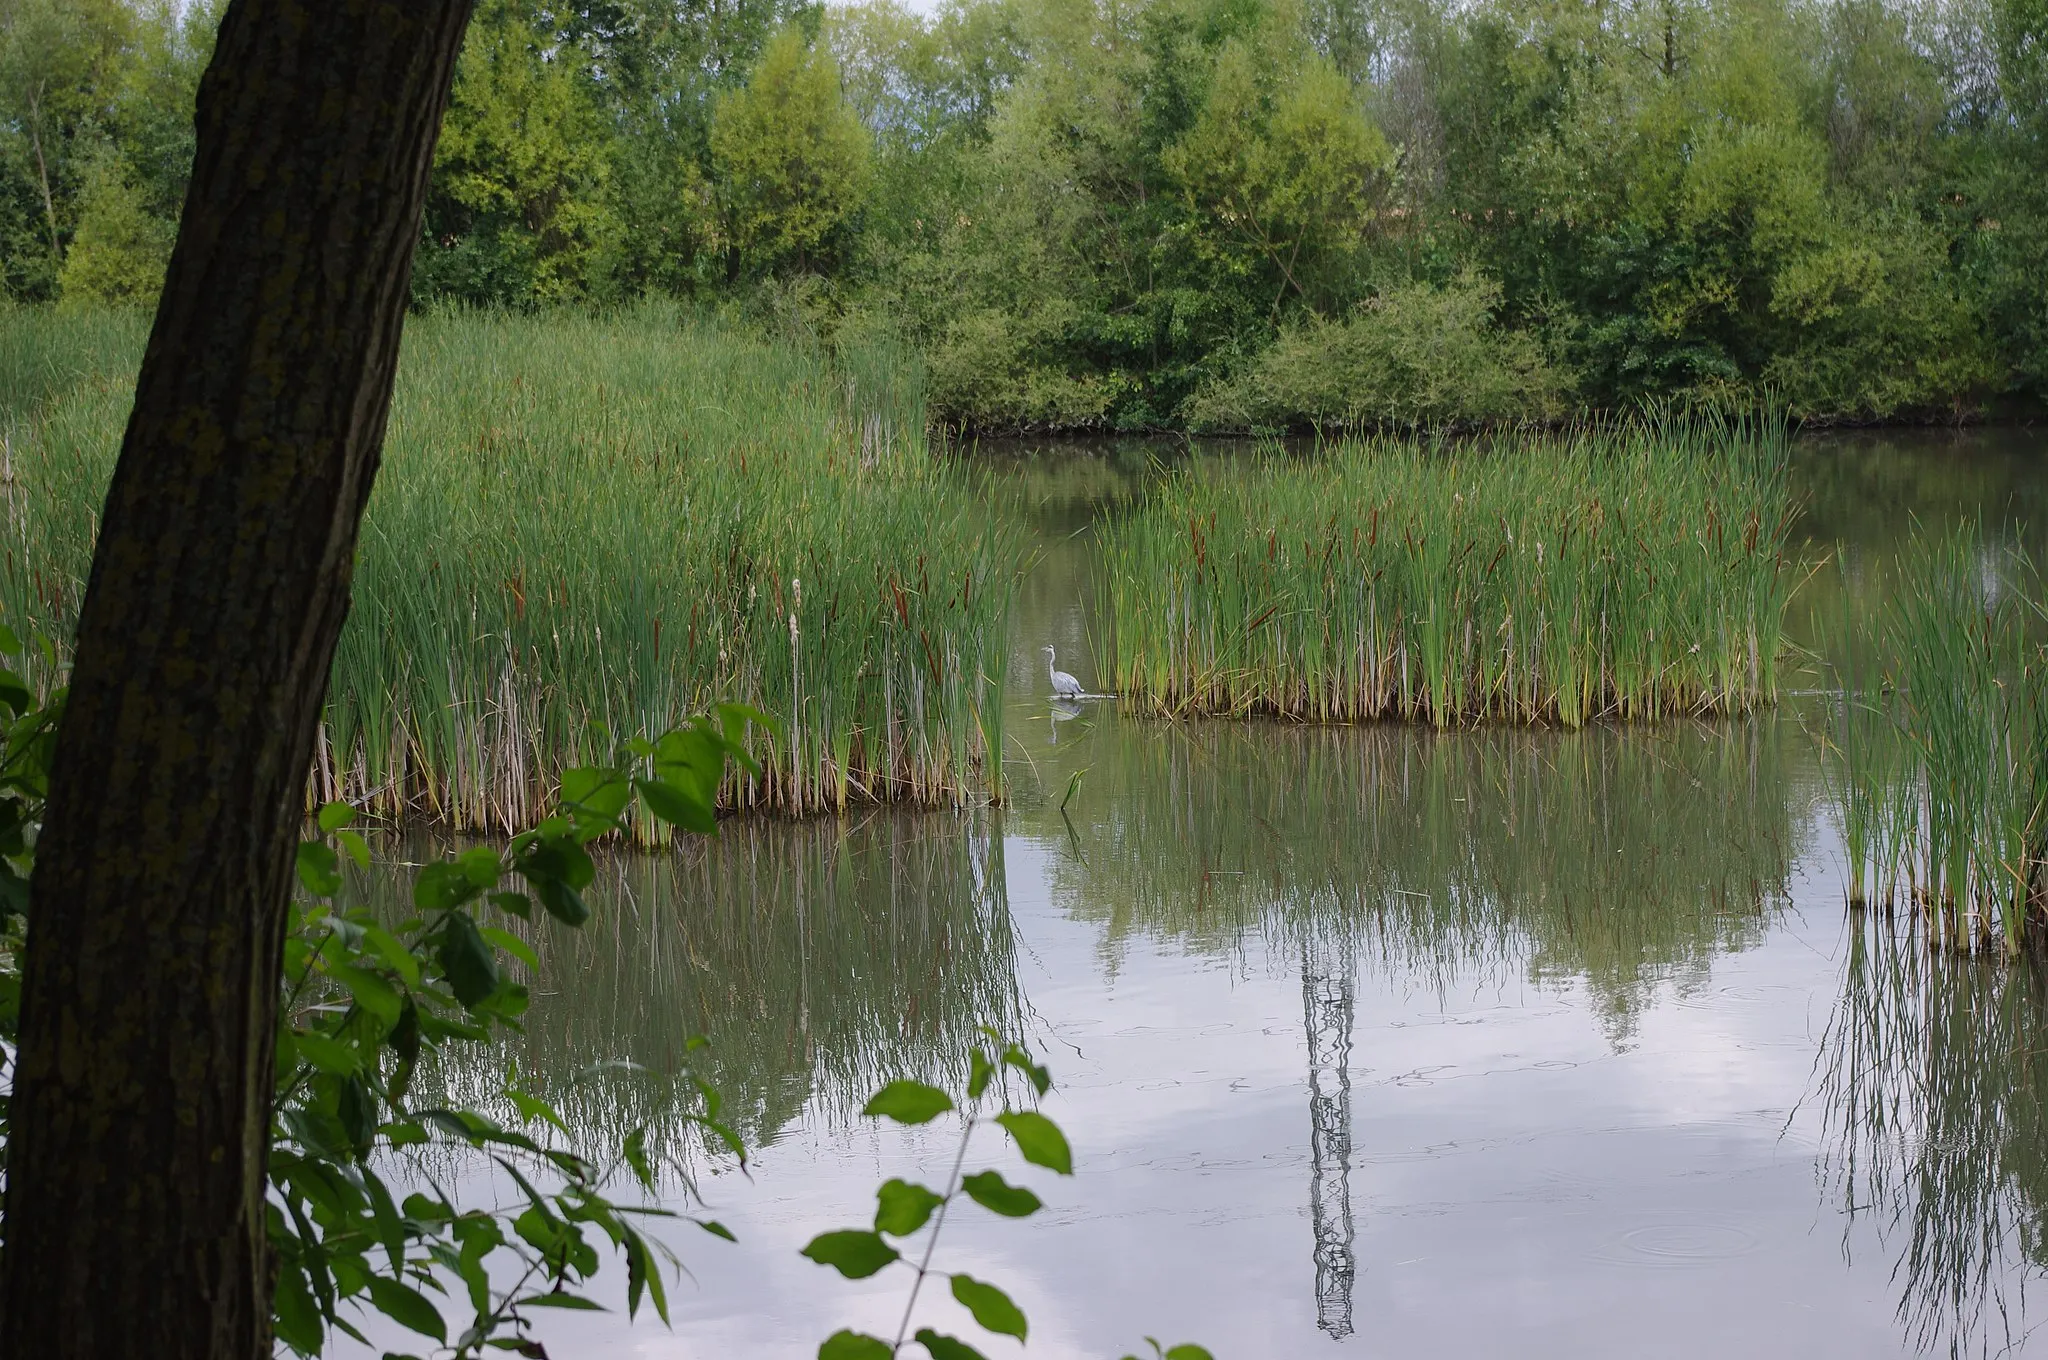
518 212
791 160
1418 355
119 248
366 1001
1194 211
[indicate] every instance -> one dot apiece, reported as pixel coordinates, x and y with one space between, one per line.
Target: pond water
1370 1041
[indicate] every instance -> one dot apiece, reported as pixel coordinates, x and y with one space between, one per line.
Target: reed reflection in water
819 959
1625 856
1933 1083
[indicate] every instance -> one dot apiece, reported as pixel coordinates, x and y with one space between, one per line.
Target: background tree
792 163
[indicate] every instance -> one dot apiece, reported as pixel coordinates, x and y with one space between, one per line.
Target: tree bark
135 1186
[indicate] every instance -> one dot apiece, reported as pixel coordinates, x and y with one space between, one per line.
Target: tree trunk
135 1186
35 137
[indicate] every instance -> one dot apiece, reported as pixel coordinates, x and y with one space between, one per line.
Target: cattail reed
1960 814
1637 572
588 528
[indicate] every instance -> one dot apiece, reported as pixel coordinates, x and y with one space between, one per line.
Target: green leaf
845 1345
943 1347
370 991
481 866
294 1313
319 868
561 860
991 1306
357 1110
563 902
979 1074
856 1255
441 887
1039 1139
332 817
904 1207
466 960
532 1107
513 904
642 1273
1187 1350
715 1228
683 807
511 944
390 1228
597 792
908 1102
1041 1080
328 1054
402 960
691 760
997 1195
559 1299
354 846
634 1149
407 1307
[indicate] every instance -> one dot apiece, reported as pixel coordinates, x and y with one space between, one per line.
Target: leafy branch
903 1209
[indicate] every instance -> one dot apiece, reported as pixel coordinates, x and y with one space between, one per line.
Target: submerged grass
1637 572
588 526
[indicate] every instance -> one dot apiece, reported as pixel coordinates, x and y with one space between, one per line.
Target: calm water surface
1371 1041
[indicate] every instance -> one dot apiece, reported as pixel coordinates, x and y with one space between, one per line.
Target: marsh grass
1634 572
1947 810
591 527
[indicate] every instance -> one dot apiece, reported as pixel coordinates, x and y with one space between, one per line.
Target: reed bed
591 527
1943 792
1635 572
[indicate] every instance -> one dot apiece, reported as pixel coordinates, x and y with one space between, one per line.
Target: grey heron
1064 686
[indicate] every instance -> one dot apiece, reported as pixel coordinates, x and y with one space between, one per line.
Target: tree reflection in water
1934 1090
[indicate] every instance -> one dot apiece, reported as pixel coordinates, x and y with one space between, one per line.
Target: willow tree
135 1212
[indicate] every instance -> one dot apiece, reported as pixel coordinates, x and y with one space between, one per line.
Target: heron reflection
1063 710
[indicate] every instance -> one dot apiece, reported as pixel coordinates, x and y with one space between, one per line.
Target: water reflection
818 958
1935 1098
1551 1000
1621 856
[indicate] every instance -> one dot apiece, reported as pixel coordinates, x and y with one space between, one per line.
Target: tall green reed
587 526
1634 572
1964 809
